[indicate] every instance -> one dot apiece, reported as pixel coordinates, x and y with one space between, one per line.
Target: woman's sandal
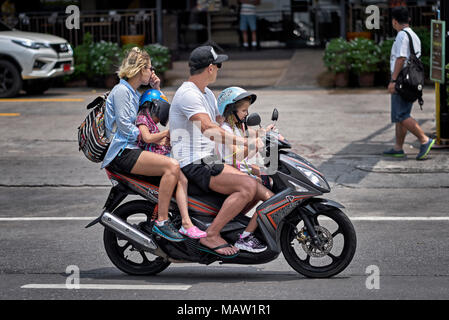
212 250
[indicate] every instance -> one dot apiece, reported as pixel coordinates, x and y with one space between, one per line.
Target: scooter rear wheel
339 244
122 253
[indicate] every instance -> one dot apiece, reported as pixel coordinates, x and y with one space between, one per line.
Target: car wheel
10 79
36 86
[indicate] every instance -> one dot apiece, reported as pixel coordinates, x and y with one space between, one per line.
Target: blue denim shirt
122 106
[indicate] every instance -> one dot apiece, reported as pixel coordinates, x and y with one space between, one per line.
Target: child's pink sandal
193 232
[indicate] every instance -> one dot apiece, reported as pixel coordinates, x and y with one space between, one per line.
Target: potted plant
81 63
104 60
384 73
336 59
365 58
160 58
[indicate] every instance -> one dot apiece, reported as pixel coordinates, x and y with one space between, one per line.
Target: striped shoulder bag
92 131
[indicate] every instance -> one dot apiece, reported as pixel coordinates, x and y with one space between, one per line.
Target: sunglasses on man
218 65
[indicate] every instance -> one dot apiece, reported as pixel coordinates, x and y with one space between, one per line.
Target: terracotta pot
364 34
366 79
135 39
341 79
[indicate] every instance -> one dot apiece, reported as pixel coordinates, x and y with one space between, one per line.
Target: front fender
315 205
312 206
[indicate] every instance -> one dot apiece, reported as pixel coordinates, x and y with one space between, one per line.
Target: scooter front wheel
337 248
122 253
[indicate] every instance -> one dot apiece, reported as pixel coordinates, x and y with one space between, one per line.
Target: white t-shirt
226 151
188 142
401 47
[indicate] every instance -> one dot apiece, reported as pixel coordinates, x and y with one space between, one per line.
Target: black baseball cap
203 56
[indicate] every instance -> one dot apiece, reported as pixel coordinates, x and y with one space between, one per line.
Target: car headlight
31 44
314 178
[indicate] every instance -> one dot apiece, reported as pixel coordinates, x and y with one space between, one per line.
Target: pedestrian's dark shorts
200 173
400 109
125 161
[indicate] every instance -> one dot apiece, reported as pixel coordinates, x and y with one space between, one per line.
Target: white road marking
55 218
360 218
399 218
107 287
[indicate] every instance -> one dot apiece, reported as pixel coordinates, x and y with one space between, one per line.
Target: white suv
30 60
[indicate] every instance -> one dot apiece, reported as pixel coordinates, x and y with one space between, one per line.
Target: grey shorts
400 109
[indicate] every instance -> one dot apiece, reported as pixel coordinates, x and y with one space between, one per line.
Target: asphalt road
399 208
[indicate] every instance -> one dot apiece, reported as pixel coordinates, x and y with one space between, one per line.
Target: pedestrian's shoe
168 231
394 153
251 244
425 149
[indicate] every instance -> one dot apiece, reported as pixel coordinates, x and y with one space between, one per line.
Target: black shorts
200 173
125 162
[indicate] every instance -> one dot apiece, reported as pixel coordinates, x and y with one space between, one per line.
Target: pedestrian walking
401 109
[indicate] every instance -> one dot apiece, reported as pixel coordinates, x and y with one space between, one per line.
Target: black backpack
410 81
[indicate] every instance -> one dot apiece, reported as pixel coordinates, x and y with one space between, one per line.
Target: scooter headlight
314 178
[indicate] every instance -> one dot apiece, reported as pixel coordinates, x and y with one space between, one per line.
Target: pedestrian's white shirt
401 47
188 142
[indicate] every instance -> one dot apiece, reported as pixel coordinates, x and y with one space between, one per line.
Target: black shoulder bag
410 81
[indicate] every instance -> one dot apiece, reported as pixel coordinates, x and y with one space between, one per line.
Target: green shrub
385 53
364 55
104 58
81 59
336 55
160 57
424 35
94 60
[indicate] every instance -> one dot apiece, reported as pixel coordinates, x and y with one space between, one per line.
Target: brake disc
311 249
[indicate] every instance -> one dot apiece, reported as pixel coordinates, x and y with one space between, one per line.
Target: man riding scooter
193 129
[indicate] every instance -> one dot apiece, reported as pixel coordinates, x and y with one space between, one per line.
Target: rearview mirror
275 115
253 119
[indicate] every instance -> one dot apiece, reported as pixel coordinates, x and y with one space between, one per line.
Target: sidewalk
267 68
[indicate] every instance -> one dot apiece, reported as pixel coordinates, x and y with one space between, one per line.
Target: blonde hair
135 60
229 115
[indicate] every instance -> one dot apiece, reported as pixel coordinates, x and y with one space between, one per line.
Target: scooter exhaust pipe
128 231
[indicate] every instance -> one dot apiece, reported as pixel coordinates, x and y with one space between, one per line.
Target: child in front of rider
233 105
154 108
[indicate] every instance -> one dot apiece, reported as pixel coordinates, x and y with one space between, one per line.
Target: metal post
159 20
444 109
342 19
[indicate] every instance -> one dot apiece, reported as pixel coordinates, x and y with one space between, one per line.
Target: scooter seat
211 198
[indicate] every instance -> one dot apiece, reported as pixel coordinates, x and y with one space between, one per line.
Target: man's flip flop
212 251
